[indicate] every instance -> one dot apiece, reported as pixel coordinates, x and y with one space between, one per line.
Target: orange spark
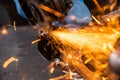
50 10
52 70
90 45
14 26
51 67
98 22
35 41
4 31
10 60
87 49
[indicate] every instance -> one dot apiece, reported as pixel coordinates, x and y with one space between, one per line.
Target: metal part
114 59
114 62
48 48
35 13
106 18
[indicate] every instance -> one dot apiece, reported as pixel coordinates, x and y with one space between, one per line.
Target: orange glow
88 46
51 67
50 10
14 26
86 50
97 21
35 41
10 60
52 70
4 31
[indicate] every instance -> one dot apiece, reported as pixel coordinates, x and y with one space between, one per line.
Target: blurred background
30 65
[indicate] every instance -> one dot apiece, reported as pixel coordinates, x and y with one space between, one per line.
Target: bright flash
88 46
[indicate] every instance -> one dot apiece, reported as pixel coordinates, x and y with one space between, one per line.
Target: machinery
97 44
50 15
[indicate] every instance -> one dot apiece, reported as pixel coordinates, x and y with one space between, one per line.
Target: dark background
12 12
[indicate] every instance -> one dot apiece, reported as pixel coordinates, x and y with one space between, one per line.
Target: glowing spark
69 56
4 31
87 49
71 75
51 67
14 26
98 22
102 66
105 45
103 78
10 60
88 46
108 20
35 41
52 70
88 60
117 33
110 46
52 11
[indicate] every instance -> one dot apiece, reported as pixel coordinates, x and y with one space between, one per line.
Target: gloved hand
19 9
80 11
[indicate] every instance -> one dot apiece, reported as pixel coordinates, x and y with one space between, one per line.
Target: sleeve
19 9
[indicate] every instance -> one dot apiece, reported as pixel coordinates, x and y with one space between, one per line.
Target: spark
50 10
14 26
83 47
88 60
51 67
87 49
35 41
108 20
8 61
88 46
52 70
103 78
69 56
